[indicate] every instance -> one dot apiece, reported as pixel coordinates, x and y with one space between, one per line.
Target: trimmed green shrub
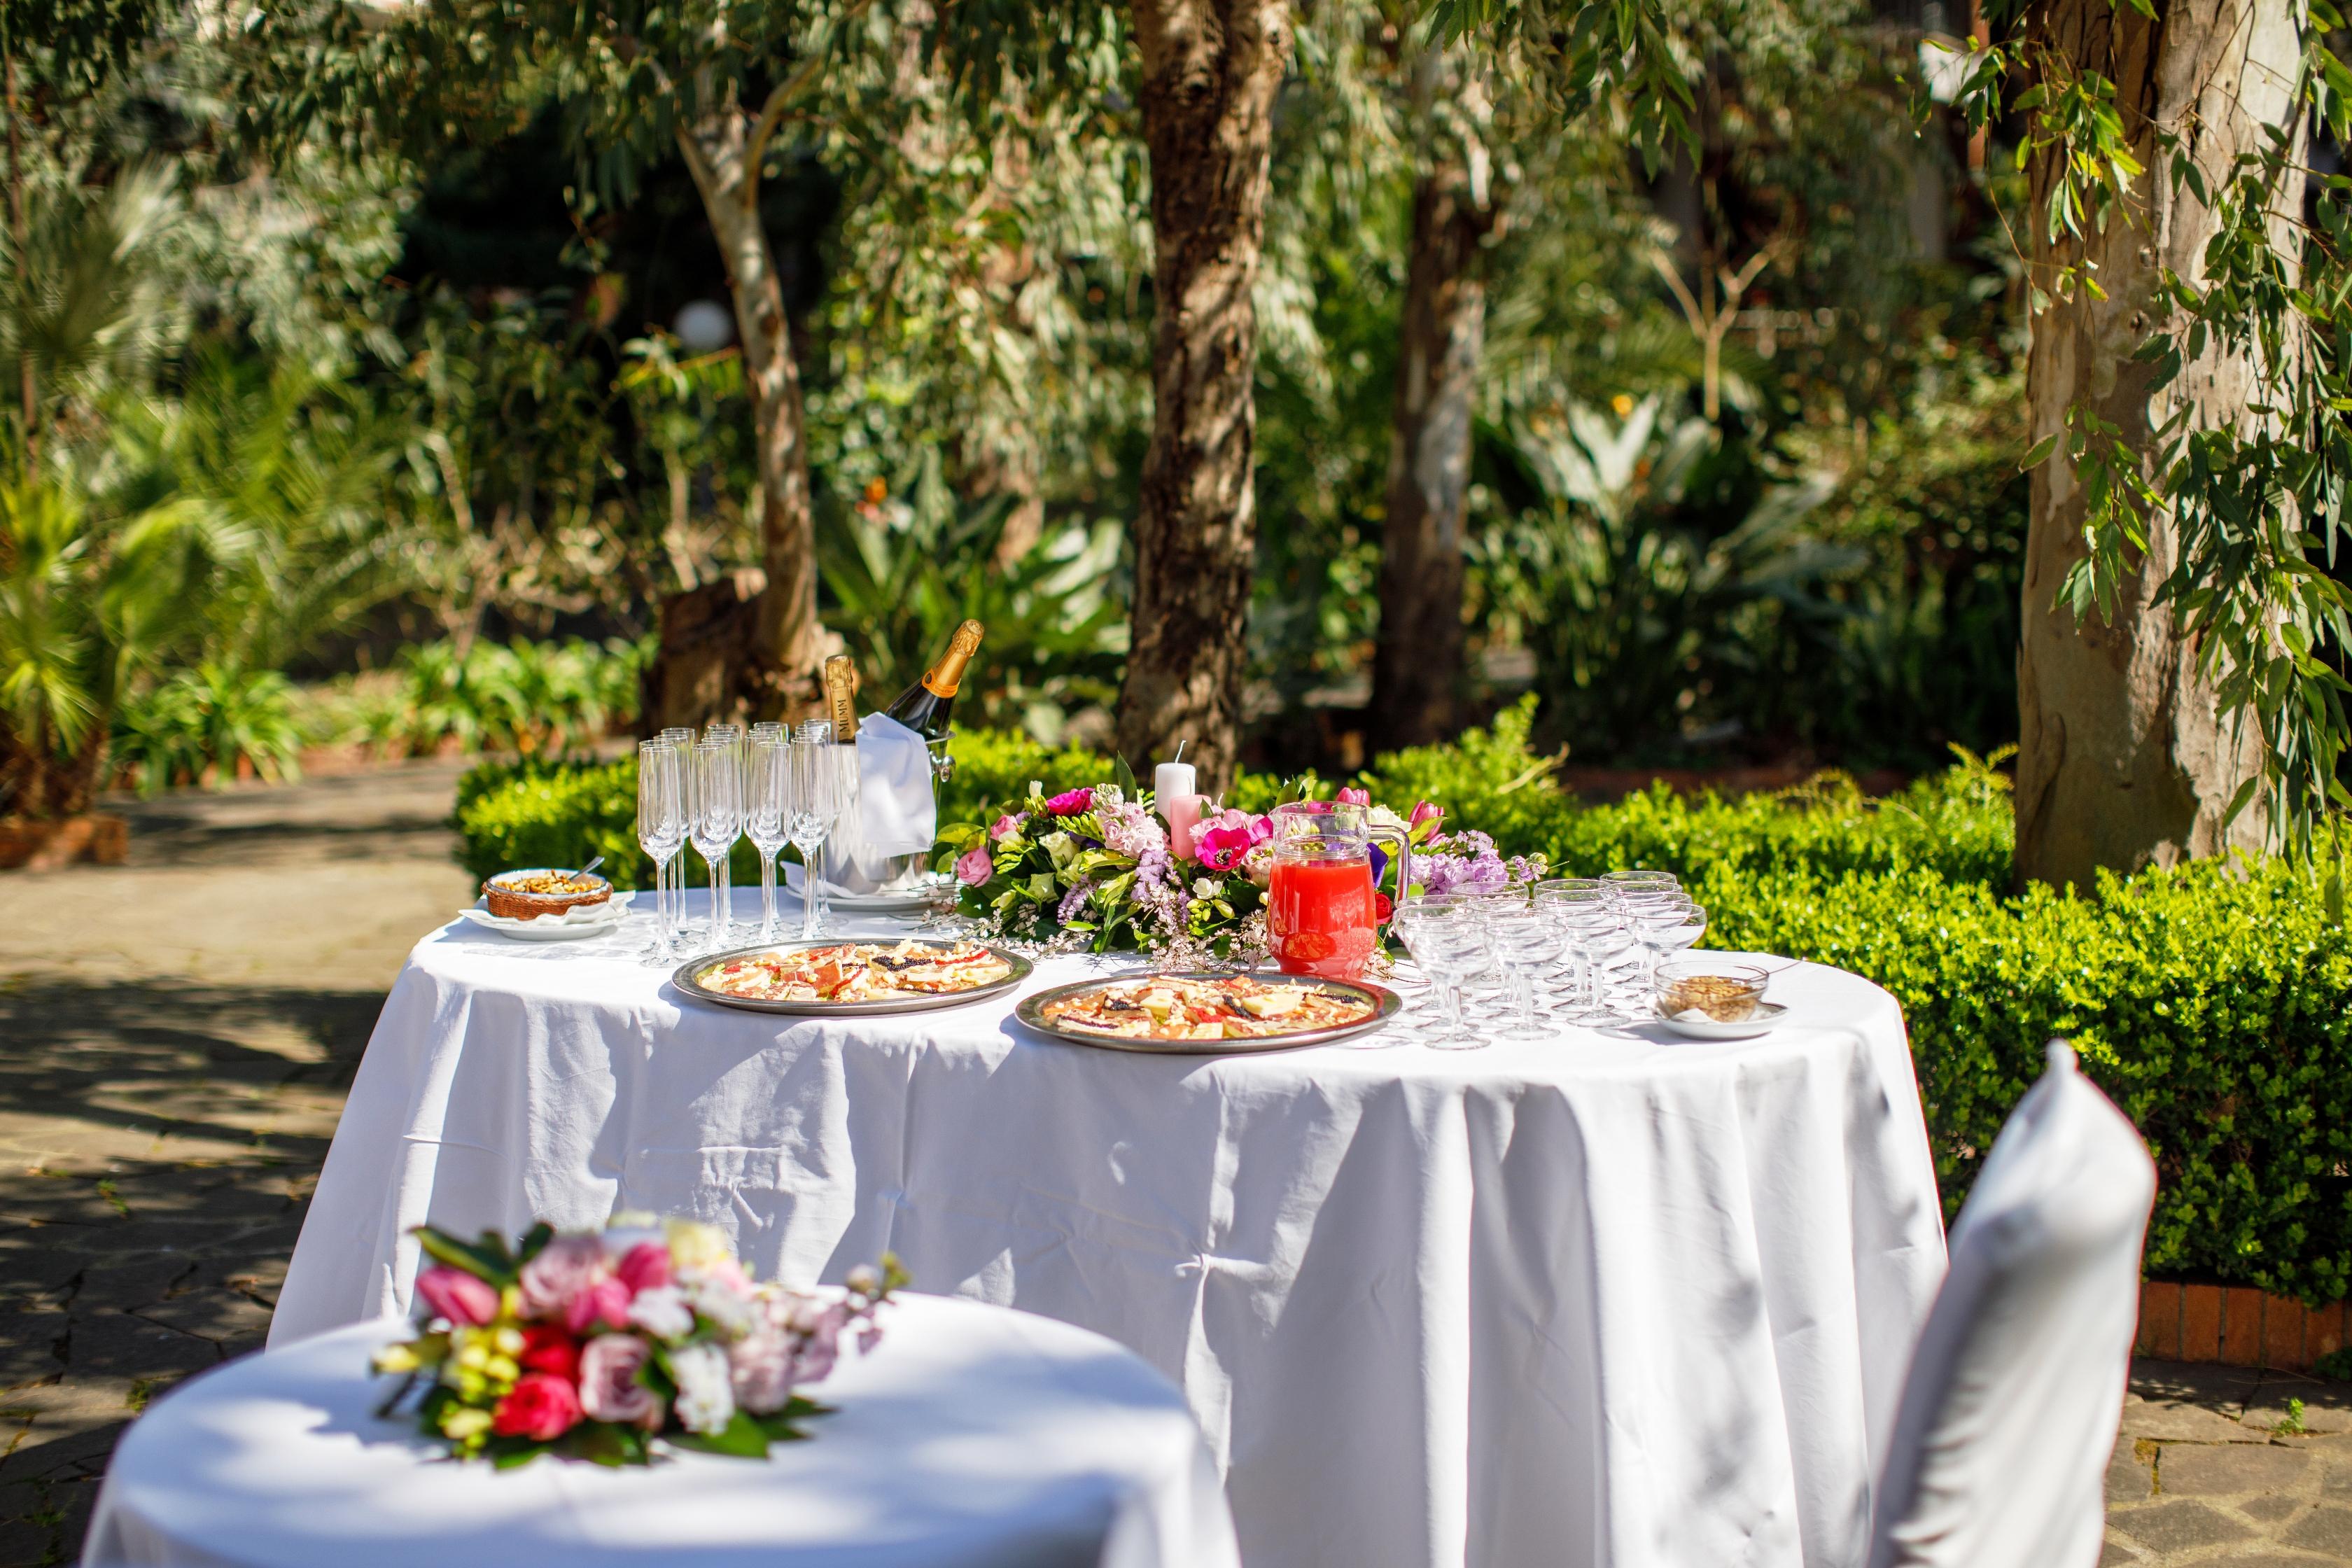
2213 1002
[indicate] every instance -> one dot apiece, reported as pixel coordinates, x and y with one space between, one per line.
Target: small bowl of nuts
1717 996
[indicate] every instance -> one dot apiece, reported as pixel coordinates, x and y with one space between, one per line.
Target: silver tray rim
683 977
1387 1005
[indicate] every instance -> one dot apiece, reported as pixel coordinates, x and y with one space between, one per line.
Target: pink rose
1355 797
974 867
541 1407
1069 803
563 1270
460 1296
1008 825
760 1365
645 1267
609 1389
604 1303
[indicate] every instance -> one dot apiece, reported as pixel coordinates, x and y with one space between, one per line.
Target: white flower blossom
706 1388
662 1311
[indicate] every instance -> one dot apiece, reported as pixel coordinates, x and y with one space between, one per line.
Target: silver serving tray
686 980
1386 1004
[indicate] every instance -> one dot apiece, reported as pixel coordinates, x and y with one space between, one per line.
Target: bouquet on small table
592 1345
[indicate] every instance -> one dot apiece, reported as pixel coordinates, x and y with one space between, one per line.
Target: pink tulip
462 1298
1355 797
1424 811
604 1304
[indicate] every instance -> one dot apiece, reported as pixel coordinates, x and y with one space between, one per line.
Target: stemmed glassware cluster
772 786
1521 935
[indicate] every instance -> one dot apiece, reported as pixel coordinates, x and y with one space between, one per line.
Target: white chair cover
2015 1392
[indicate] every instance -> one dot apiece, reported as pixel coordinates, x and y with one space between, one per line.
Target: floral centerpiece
592 1345
1095 868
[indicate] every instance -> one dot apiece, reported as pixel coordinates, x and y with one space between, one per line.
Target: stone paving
175 1038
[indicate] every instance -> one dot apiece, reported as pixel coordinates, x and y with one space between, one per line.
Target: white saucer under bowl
593 920
1768 1018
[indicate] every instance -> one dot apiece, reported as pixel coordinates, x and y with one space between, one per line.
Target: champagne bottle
924 706
841 697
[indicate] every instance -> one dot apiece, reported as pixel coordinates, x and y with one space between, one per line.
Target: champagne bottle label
943 678
841 697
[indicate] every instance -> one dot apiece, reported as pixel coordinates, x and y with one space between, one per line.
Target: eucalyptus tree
2184 646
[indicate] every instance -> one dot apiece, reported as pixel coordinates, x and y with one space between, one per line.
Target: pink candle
1183 814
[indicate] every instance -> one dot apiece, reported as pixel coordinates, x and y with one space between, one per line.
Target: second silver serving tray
1386 1005
688 979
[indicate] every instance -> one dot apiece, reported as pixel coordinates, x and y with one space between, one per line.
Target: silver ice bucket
849 866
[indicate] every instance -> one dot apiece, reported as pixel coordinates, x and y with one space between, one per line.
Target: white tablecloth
972 1437
1602 1299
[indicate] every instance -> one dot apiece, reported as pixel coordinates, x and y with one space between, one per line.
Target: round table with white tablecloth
1604 1299
969 1437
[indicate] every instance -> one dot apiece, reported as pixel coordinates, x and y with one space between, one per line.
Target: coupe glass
661 832
1444 938
1526 943
1658 922
767 817
717 823
1591 928
1626 884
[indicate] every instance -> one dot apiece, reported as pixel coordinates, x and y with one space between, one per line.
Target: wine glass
717 822
1444 939
767 818
1525 942
661 832
1657 921
815 781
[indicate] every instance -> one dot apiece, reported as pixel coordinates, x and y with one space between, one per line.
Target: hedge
2213 1002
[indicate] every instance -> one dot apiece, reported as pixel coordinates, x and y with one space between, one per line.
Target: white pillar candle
1171 781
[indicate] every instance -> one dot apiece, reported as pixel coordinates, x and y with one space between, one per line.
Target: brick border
2235 1325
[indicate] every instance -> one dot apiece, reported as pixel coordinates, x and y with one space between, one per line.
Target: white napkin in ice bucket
897 810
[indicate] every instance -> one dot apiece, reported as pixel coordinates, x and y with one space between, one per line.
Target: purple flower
565 1267
462 1298
1070 803
609 1389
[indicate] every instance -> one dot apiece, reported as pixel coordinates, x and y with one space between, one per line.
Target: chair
2010 1410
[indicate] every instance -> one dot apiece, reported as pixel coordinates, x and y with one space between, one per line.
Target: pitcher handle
1402 860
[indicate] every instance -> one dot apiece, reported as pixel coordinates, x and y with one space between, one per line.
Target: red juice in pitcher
1319 917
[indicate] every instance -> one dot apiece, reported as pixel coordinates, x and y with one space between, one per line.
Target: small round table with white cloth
1604 1299
970 1437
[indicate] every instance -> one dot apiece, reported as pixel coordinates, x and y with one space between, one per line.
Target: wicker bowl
529 894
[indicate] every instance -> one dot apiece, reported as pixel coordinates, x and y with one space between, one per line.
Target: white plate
911 901
552 928
1768 1019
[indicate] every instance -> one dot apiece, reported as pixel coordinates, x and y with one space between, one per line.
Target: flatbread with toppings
1229 1007
857 971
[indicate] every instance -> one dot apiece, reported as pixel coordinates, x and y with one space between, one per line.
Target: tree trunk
2124 760
1417 674
782 645
1211 72
20 246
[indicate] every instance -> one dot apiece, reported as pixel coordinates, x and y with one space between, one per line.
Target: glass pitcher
1321 915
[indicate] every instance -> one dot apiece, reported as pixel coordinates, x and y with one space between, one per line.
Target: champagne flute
671 880
718 820
767 817
722 904
661 832
813 781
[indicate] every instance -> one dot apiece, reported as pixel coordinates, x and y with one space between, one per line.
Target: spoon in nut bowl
585 869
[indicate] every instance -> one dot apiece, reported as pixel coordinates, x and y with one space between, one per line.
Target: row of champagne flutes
1531 938
774 785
